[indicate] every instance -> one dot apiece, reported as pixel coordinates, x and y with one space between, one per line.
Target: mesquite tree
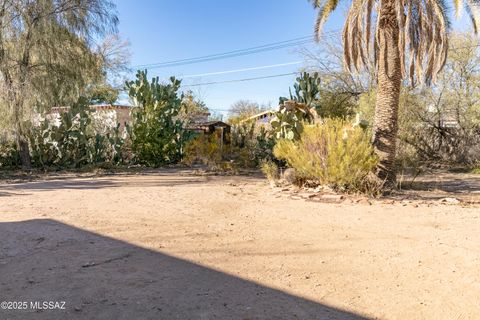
46 56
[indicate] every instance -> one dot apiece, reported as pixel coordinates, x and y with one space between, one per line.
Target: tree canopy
47 56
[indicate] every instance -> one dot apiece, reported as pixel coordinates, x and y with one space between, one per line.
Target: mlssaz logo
47 305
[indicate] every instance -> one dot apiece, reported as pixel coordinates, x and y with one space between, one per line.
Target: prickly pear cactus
294 112
307 89
158 134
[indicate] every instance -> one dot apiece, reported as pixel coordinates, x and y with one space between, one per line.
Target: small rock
89 264
290 175
364 202
307 195
450 200
332 197
329 198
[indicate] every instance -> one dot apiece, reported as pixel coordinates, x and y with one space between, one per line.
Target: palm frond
325 8
471 7
423 32
458 5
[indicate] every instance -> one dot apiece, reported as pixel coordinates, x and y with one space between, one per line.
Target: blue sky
166 30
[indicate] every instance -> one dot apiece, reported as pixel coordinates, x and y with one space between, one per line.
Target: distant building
111 115
262 118
200 117
118 113
449 120
447 117
212 127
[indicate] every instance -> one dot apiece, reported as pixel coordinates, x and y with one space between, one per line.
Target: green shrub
204 149
333 153
242 134
270 170
9 156
250 145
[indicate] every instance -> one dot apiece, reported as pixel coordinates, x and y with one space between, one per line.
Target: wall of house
124 116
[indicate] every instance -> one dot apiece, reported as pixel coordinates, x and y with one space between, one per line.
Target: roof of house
109 106
215 123
260 115
96 107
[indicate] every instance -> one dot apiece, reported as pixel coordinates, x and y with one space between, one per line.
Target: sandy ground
168 245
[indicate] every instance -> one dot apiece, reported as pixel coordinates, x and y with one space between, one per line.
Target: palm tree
409 37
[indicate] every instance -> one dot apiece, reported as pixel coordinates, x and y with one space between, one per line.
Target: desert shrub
158 136
242 134
311 98
333 153
204 149
270 170
9 156
263 145
250 144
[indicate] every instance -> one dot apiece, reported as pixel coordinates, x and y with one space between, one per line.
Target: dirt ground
172 245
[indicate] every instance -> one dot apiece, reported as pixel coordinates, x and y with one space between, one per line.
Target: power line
277 75
229 52
236 53
225 56
241 52
240 80
241 70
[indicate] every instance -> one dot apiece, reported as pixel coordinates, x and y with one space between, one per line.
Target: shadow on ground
440 184
104 278
159 178
9 194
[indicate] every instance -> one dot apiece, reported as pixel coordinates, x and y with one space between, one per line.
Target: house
120 113
262 118
199 117
211 127
111 115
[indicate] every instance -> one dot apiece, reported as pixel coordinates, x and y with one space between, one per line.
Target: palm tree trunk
388 93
